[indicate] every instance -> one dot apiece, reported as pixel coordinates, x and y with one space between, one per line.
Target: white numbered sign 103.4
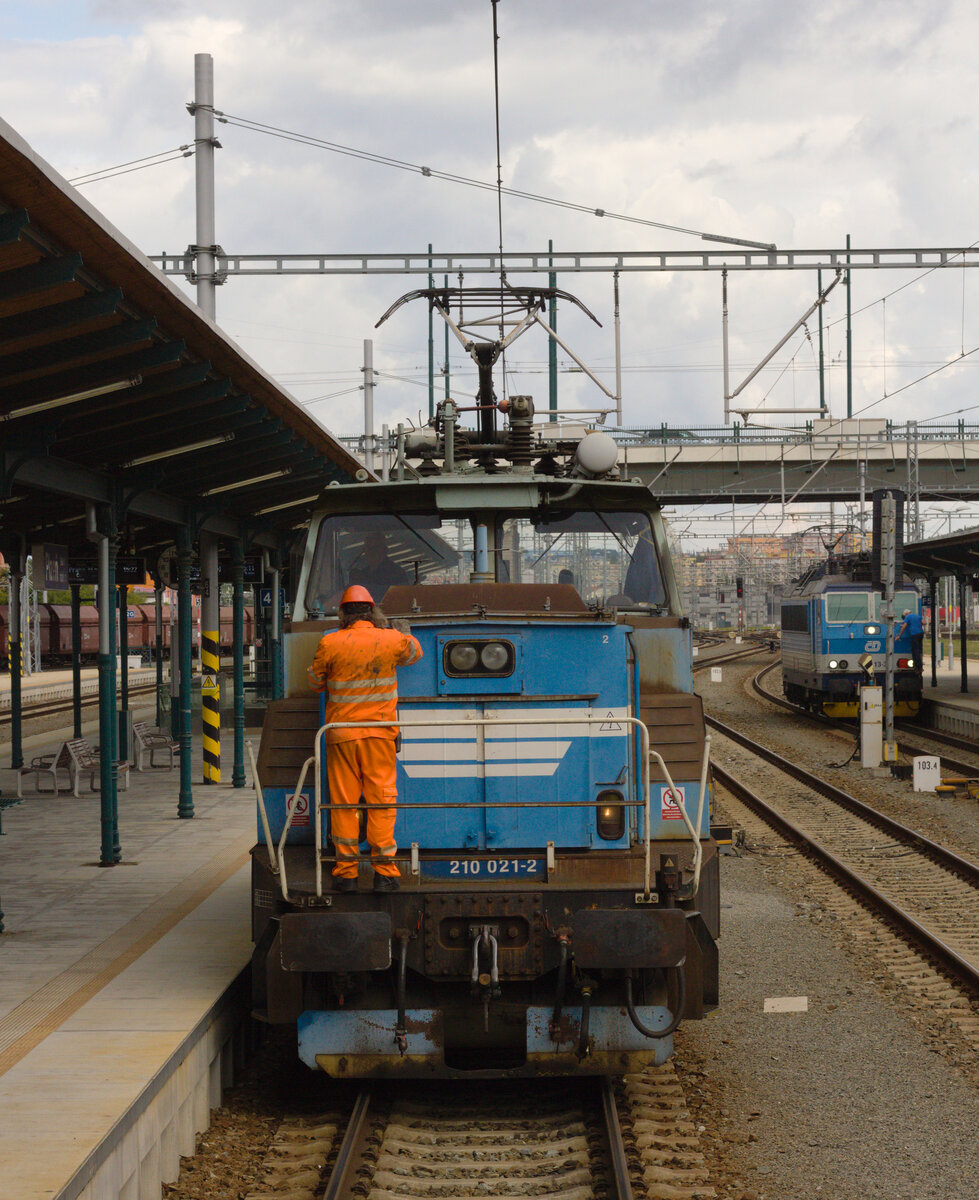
715 674
927 773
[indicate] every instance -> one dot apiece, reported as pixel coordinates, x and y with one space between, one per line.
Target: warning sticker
299 803
610 724
209 683
669 809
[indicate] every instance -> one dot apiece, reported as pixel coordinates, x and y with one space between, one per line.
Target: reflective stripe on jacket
356 668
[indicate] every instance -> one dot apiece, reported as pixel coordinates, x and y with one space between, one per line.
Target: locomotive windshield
844 607
610 557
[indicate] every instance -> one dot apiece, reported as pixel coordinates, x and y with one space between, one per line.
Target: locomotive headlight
871 629
833 664
479 659
843 664
463 657
494 656
610 816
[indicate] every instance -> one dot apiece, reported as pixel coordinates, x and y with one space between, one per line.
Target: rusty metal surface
663 659
517 919
675 721
617 938
332 941
525 599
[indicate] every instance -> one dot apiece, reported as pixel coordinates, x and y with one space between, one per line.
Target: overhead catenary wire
304 139
135 164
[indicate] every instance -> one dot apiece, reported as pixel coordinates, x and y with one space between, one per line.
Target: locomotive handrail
290 810
428 722
260 796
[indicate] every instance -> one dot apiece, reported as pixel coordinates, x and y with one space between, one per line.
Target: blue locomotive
832 617
559 901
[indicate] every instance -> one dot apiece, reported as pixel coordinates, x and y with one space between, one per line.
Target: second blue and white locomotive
832 618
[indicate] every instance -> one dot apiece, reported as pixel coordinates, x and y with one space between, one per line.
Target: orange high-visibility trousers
365 766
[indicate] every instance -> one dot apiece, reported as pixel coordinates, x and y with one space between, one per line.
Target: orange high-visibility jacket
356 668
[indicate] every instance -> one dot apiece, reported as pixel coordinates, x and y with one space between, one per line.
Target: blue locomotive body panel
829 625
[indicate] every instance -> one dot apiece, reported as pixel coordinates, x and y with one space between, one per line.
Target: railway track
970 769
556 1139
49 708
926 891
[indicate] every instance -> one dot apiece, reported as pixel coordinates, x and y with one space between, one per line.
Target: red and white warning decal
669 809
299 803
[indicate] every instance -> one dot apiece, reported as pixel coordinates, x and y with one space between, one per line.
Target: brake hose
681 996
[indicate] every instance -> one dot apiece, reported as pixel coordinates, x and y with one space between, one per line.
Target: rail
646 753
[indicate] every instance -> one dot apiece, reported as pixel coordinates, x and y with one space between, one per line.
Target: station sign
129 570
49 566
265 597
252 570
170 574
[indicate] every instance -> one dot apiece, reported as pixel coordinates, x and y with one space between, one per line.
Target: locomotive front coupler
485 984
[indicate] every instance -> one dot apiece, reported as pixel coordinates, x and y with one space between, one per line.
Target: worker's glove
401 625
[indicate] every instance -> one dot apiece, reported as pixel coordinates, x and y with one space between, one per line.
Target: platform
946 706
119 987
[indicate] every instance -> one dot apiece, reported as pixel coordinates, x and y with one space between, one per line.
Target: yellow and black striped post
211 705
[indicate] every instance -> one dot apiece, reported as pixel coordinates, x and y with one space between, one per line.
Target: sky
791 124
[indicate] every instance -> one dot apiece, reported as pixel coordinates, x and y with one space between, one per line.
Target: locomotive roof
814 583
464 493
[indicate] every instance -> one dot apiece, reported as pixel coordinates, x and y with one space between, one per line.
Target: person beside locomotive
356 666
912 626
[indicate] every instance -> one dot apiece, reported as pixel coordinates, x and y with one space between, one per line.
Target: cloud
762 120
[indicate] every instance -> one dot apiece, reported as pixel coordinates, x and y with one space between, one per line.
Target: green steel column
15 660
174 671
107 689
113 732
122 590
849 337
963 633
238 655
185 803
76 659
551 344
158 645
933 600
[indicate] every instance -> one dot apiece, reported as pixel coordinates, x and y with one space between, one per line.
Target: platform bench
149 741
85 761
46 765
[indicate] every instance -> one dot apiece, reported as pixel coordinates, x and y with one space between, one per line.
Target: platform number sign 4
669 808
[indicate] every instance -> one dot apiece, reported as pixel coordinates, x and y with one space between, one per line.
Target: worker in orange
356 666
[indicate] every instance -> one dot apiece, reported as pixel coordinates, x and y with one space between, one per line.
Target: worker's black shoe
386 883
342 884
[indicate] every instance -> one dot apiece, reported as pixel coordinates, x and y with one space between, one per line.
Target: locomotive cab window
381 550
902 600
844 607
611 558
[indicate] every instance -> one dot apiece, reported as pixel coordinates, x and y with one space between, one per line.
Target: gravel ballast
843 1101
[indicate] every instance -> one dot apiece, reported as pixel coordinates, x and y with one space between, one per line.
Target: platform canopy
956 554
115 388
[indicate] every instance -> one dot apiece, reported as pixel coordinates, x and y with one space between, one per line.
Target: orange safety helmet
355 594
